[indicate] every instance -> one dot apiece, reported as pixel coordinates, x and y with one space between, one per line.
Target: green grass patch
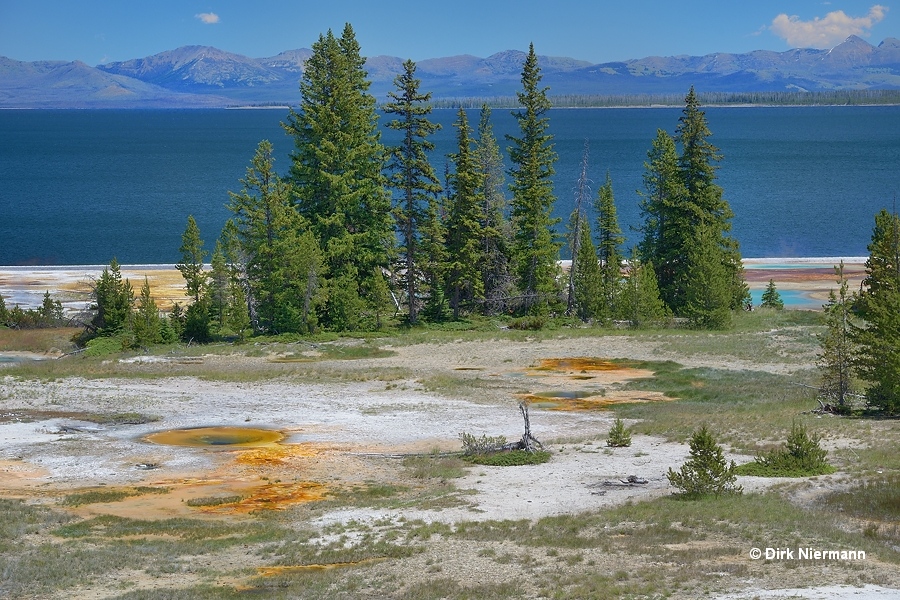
510 458
111 495
213 500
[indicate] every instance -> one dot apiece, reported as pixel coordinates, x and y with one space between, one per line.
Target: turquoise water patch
791 299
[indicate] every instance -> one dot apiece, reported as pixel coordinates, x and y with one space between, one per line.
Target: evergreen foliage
706 472
641 304
609 242
534 251
496 233
337 177
587 282
771 298
878 339
666 226
147 324
412 176
801 456
192 256
112 299
686 223
464 218
577 221
707 284
836 358
279 257
619 435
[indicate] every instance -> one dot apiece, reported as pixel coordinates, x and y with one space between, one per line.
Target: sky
101 31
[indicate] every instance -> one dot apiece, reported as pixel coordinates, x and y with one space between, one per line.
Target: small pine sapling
619 435
706 472
771 298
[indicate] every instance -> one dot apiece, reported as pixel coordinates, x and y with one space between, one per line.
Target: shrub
482 445
801 456
528 323
509 458
619 435
706 472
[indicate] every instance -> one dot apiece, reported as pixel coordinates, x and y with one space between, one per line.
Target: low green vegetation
619 435
509 458
109 495
706 472
801 456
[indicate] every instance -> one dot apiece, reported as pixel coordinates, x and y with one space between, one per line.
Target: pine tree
682 199
192 256
610 239
338 177
495 228
707 283
666 225
836 359
147 324
464 234
299 272
434 268
698 167
219 286
412 176
113 299
771 298
277 254
878 339
535 251
641 303
587 283
706 472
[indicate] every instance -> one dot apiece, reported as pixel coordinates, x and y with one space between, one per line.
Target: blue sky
98 31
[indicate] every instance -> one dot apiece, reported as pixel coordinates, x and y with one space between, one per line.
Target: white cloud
825 32
208 18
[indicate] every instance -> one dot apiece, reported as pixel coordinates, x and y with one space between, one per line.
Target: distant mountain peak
197 75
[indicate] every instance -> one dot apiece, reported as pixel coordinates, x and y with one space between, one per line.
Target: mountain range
202 76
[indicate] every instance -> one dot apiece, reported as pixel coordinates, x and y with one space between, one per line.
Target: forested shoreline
355 236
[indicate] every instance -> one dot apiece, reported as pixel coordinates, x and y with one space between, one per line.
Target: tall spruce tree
495 228
698 165
609 242
535 251
683 209
338 176
267 229
878 339
412 176
192 257
666 221
587 280
464 233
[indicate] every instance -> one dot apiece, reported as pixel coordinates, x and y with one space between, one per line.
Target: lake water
82 187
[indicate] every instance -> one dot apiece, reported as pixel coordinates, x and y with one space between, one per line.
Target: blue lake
82 187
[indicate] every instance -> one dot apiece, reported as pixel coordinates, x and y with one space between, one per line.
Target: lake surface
82 187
